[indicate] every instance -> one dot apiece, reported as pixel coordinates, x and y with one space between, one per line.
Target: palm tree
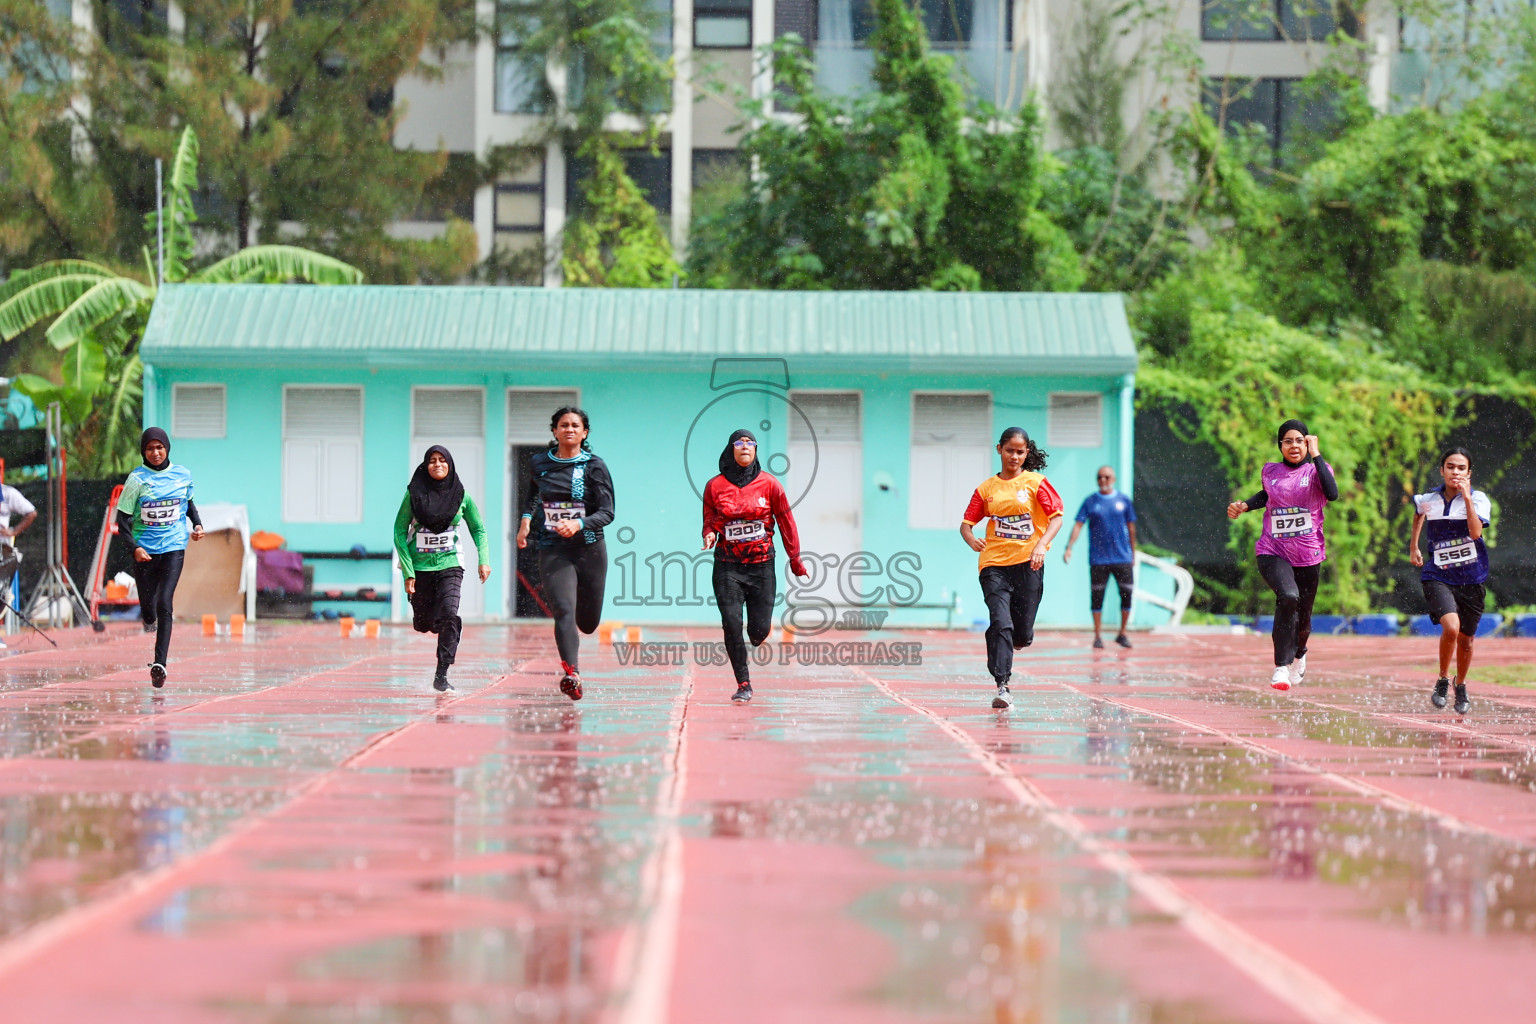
99 316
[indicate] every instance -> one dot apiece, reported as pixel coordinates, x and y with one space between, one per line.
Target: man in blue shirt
1111 520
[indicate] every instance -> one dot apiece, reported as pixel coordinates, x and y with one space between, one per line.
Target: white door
455 419
826 481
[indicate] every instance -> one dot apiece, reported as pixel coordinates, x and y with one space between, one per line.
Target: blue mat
1384 624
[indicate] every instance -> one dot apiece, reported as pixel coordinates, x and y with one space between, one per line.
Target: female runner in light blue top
157 515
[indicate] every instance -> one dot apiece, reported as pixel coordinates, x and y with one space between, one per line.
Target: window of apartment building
1282 108
118 22
452 193
518 209
1266 21
722 24
652 172
951 453
718 167
322 454
949 22
520 84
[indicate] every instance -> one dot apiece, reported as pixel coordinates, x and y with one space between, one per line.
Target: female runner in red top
741 506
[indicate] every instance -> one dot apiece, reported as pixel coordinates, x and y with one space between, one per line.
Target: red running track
298 829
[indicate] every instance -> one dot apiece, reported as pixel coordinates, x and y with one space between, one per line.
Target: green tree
911 185
98 317
594 62
51 205
294 103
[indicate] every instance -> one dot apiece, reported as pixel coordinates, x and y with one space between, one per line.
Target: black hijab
155 434
1287 427
738 474
434 503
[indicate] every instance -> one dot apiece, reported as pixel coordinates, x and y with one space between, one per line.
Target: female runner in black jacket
570 500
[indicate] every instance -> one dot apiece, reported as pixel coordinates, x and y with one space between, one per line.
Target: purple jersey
1293 519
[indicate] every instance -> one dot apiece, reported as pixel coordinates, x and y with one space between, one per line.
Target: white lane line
1290 982
39 937
1449 822
648 948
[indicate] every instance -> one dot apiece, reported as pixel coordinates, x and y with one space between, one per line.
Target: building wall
641 424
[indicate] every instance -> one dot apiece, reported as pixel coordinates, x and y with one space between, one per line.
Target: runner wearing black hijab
427 541
741 506
154 513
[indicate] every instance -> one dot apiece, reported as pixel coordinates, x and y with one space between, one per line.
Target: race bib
436 543
1453 554
160 512
563 512
739 530
1013 527
1290 522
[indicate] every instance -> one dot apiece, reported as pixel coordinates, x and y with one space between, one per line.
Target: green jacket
413 561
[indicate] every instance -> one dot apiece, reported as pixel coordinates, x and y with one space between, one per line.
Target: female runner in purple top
1291 548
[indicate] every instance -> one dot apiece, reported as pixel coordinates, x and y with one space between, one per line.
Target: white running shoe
1281 680
1298 670
1004 699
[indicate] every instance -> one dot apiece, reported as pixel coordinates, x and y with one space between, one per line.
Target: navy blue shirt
1109 534
1454 558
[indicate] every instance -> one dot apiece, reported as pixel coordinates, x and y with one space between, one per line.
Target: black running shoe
150 627
157 675
440 682
1004 700
1462 704
1098 643
1442 687
1123 641
743 693
570 685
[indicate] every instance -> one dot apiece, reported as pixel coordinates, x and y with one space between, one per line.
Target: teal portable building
879 411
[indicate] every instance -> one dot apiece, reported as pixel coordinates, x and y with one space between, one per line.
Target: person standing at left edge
1111 520
1025 513
154 512
427 541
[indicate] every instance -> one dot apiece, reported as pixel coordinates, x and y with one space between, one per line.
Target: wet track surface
297 829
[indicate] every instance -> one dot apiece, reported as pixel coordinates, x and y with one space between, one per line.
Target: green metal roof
494 327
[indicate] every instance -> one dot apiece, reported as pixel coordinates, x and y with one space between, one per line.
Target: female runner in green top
427 541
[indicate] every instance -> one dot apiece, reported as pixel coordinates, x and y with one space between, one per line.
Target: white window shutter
198 410
303 459
833 418
447 412
323 455
528 413
1075 421
960 420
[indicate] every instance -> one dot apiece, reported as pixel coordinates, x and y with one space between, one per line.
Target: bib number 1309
1290 522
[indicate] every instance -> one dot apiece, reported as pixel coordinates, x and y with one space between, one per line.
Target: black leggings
157 579
435 609
1012 594
574 577
749 584
1295 588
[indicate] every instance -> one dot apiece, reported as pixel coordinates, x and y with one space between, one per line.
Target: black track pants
435 609
1012 593
750 585
1295 589
574 578
157 579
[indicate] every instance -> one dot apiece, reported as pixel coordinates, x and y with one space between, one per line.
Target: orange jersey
1017 512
